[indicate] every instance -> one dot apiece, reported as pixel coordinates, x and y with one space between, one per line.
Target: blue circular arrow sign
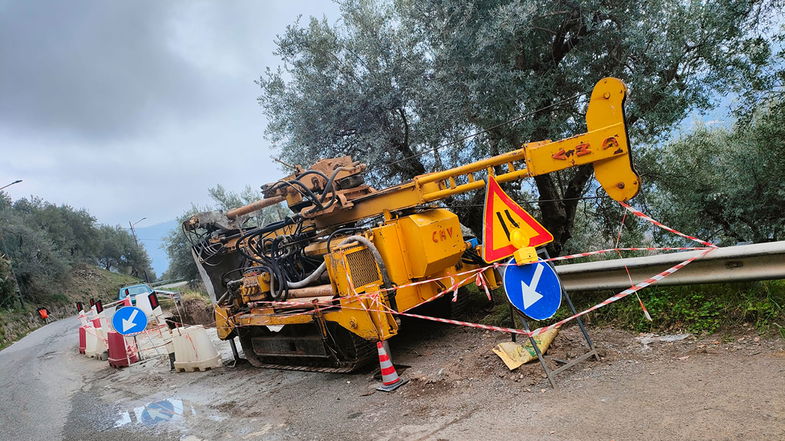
129 320
534 289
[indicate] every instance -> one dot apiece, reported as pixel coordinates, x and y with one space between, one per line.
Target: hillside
84 282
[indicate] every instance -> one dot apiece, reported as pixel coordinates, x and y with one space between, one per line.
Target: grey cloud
135 108
95 69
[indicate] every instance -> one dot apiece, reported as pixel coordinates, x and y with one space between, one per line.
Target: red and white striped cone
390 378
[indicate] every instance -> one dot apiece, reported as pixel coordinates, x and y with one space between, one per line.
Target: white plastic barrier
193 350
95 343
106 318
143 303
83 318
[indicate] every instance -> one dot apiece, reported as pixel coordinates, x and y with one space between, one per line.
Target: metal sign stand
565 364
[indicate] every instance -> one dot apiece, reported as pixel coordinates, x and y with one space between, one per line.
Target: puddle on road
170 410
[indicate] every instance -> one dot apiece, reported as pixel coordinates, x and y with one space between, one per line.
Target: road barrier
764 261
122 352
188 348
193 350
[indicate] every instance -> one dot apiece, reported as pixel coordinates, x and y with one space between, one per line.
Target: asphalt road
699 388
40 373
48 391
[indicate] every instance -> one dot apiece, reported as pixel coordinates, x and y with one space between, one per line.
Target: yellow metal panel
339 274
578 150
223 325
606 107
432 241
412 296
364 318
394 254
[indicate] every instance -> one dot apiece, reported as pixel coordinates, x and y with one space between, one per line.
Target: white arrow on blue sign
129 320
534 289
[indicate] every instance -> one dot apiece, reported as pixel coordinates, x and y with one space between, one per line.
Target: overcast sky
133 109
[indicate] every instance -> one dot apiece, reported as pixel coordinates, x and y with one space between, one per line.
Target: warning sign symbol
504 221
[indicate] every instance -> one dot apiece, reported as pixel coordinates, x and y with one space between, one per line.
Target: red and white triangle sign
502 216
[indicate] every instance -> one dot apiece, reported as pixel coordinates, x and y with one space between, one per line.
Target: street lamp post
8 185
133 233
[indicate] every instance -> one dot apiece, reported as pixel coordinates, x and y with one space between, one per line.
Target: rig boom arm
604 145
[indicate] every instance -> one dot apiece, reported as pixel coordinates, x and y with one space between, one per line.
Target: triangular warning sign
501 217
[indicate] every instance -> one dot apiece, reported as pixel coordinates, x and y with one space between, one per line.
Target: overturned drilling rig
317 289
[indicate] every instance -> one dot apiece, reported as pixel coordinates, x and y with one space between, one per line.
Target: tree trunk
558 214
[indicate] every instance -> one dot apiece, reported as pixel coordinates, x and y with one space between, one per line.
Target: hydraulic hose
311 277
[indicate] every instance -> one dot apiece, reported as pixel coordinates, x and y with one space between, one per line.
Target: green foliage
697 308
85 282
7 283
178 248
724 185
178 245
765 84
43 242
117 250
392 79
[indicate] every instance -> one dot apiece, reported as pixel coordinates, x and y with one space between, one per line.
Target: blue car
133 291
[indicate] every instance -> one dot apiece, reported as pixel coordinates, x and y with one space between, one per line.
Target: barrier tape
643 216
374 295
471 273
637 287
481 282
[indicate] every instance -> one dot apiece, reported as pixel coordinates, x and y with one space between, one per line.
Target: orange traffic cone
390 378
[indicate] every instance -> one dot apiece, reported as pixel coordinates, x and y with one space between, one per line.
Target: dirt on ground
716 387
193 310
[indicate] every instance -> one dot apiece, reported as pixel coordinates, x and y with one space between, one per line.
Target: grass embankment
702 309
85 282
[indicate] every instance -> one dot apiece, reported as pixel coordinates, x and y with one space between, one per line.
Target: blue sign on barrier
534 289
129 320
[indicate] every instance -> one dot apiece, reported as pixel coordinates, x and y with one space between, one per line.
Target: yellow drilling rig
292 291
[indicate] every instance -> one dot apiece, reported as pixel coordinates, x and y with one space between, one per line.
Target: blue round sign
534 289
129 320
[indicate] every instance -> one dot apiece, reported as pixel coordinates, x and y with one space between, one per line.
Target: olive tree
726 184
402 84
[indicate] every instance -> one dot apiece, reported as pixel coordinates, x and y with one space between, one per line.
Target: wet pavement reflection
170 409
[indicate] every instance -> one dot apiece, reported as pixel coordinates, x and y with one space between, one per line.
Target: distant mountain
152 238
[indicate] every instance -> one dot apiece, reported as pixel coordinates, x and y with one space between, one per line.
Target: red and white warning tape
457 280
635 288
664 227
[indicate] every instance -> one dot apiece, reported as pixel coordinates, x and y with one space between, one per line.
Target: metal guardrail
167 282
763 261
